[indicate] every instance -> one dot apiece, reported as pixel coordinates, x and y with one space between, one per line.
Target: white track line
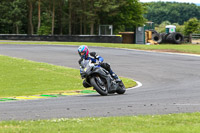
138 85
149 51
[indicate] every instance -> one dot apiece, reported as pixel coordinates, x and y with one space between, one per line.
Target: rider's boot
117 79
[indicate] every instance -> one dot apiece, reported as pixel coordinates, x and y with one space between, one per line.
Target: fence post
190 38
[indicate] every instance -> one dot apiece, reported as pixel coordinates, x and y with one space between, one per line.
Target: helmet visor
82 53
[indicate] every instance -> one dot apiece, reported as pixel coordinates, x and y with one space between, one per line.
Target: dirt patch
167 50
170 51
196 41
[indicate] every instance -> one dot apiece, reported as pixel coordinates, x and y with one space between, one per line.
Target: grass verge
171 123
183 48
20 77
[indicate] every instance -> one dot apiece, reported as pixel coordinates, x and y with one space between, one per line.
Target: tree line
173 12
83 17
69 17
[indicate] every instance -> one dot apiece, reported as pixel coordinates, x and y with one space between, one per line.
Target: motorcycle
100 79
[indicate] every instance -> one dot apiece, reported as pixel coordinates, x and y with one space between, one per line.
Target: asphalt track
171 84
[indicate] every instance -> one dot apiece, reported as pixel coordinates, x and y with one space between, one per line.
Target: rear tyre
102 90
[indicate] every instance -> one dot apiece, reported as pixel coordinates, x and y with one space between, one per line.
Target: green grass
20 77
171 123
185 48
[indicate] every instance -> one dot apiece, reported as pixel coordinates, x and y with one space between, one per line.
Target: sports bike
100 79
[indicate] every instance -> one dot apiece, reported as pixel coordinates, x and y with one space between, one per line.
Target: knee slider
85 84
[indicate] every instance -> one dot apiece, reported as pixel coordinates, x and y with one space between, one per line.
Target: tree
97 8
192 26
13 14
68 16
30 17
127 16
17 15
6 22
60 16
53 17
39 15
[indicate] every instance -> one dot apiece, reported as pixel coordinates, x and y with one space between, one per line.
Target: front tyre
102 90
121 89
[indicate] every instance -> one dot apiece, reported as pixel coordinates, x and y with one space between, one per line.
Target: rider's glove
82 75
100 63
80 60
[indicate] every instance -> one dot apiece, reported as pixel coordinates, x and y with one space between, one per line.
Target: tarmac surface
170 84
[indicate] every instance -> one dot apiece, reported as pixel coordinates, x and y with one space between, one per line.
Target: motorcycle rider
84 53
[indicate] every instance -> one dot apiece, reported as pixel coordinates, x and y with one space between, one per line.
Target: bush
44 30
192 26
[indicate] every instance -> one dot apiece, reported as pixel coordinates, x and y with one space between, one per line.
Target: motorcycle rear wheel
102 91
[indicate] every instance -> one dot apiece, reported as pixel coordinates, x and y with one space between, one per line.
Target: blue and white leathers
94 58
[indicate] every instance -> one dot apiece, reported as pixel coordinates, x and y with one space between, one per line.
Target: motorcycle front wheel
121 89
101 89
